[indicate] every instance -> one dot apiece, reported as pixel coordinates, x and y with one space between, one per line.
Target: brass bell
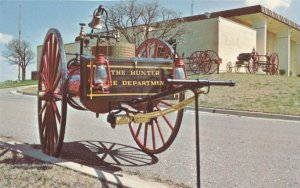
96 22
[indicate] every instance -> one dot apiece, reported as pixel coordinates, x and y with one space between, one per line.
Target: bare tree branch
19 53
137 22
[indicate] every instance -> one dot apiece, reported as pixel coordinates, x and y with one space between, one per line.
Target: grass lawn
259 93
20 171
9 84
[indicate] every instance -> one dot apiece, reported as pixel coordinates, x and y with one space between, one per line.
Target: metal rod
197 137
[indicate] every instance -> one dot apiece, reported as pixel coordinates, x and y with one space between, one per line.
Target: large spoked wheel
52 96
273 64
155 48
253 63
158 134
214 59
252 67
199 62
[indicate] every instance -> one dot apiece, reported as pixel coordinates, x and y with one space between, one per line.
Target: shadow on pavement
108 156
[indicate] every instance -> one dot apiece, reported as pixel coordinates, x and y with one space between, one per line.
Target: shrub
282 72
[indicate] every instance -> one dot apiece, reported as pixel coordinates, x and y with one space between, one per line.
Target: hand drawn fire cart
252 62
204 62
145 90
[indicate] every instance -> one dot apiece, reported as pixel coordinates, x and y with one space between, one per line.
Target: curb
19 90
26 93
119 179
248 114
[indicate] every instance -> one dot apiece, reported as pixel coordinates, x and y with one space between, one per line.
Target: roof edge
244 11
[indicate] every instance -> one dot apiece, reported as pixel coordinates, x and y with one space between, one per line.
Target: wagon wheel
273 64
52 96
252 67
199 62
253 63
158 134
155 48
229 67
214 60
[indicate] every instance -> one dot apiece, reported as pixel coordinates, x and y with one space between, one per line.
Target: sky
37 16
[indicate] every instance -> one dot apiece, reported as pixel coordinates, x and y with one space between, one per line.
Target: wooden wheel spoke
138 130
54 135
45 72
45 129
153 136
56 82
55 59
147 49
156 50
43 125
56 112
168 122
146 134
43 108
50 130
50 56
44 80
159 131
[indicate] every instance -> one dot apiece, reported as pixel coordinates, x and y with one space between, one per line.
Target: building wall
201 35
234 39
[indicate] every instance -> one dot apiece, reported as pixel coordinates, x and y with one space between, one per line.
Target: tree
19 53
138 22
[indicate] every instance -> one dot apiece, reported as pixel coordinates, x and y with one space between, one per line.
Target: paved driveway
235 151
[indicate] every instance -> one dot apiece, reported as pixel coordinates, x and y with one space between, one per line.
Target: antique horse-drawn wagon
144 88
252 62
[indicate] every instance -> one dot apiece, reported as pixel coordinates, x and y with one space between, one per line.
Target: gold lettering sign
130 81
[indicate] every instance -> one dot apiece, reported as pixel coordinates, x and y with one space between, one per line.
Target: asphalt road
235 151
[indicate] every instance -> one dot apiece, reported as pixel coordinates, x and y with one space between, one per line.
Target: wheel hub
47 95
